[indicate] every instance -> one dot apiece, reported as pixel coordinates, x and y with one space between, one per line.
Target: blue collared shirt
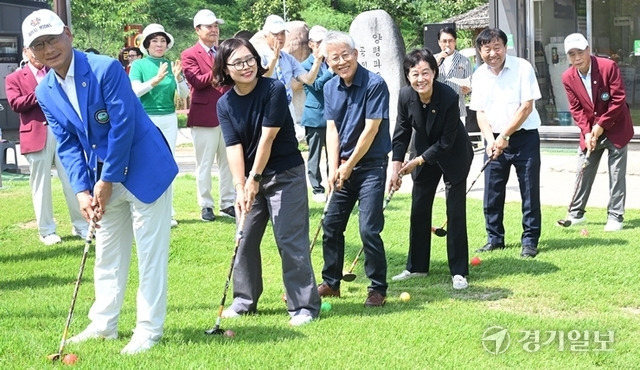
349 106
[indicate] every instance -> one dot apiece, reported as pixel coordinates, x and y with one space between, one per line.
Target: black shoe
207 214
529 251
490 247
228 212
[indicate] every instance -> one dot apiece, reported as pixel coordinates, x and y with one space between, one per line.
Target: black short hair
227 47
416 56
133 48
450 30
147 40
489 34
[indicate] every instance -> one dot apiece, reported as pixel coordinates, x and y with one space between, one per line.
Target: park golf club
85 254
216 329
567 222
440 231
324 213
349 275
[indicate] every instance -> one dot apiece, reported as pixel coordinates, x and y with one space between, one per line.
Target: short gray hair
337 38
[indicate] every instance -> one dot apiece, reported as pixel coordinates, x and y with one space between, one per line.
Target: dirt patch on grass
28 225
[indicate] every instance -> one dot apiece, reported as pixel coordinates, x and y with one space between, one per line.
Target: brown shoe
375 299
324 290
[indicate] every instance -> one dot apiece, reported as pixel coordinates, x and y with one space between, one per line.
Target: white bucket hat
151 29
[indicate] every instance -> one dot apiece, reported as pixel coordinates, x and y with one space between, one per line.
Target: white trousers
209 146
127 217
40 181
168 125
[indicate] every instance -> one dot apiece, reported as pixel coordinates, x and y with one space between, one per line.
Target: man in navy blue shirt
358 142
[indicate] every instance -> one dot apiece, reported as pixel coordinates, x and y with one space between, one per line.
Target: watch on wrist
257 177
505 137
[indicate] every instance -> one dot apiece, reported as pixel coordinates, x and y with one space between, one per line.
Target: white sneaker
460 282
613 225
82 234
50 239
299 320
408 275
138 345
576 221
174 222
229 314
319 197
91 333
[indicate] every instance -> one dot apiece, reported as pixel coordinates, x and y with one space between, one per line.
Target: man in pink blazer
197 64
38 145
597 101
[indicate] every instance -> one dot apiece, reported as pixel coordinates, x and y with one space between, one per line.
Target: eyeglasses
39 46
346 57
239 65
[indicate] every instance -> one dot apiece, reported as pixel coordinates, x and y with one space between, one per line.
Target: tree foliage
261 9
100 23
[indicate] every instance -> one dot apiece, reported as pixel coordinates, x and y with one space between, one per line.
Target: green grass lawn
578 284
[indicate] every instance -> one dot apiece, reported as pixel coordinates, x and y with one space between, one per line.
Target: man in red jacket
38 145
197 64
597 101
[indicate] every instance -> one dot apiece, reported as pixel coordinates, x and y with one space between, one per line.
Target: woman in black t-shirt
269 178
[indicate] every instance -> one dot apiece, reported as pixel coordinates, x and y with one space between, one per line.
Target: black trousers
423 194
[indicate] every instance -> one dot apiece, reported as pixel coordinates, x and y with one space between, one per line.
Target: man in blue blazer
119 166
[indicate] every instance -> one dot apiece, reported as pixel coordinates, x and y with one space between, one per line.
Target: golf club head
216 330
54 357
348 276
440 232
564 223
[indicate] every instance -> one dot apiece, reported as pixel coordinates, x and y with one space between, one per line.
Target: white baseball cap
42 22
274 24
206 16
317 33
575 41
151 29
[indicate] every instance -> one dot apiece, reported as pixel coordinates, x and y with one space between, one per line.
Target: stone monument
381 50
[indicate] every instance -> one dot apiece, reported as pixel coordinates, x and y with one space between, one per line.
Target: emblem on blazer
101 116
605 96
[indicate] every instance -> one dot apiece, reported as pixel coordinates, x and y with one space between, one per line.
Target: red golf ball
584 232
230 333
69 359
475 261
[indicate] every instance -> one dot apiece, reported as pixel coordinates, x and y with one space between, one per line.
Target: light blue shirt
287 68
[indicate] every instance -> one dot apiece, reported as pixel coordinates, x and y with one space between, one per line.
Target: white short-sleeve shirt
500 96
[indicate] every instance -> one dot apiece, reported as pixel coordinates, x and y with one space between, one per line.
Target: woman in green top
156 84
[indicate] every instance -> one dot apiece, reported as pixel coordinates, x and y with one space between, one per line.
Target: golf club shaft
239 234
324 213
585 163
484 166
83 262
384 206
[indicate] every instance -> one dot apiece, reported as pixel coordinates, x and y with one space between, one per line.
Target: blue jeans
523 153
366 185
